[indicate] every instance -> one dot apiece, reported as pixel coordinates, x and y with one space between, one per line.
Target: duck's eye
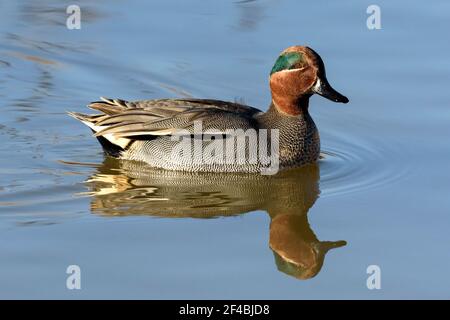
288 61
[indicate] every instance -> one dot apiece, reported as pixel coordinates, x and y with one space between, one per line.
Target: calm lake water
379 195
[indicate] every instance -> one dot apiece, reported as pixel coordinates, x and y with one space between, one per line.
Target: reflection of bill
131 188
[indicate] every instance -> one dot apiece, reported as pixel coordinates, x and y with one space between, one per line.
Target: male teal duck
145 130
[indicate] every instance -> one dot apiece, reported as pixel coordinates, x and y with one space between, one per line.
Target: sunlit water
378 196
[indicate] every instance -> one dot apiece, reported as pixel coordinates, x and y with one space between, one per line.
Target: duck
151 131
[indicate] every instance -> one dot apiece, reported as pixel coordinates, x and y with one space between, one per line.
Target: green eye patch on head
290 60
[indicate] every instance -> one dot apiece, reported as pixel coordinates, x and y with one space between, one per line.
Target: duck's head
298 73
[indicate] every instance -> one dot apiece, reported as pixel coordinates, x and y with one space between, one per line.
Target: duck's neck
276 117
290 107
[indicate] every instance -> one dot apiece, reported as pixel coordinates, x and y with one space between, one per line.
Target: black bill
324 89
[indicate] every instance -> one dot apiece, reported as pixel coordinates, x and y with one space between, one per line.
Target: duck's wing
125 119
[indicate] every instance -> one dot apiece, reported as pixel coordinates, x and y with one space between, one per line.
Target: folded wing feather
122 120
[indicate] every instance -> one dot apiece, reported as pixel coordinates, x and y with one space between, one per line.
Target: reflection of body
131 188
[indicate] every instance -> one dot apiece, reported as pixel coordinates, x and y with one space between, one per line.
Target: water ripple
351 165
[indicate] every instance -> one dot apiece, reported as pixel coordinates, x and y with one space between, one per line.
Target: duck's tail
112 145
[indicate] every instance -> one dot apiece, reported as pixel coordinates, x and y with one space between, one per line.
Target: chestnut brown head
298 73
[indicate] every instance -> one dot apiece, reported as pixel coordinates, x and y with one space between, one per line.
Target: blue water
382 185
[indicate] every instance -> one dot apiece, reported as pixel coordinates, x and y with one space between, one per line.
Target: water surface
378 196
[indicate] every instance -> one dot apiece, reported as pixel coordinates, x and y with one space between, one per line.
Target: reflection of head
296 248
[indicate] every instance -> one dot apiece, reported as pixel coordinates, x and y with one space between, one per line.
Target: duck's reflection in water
131 188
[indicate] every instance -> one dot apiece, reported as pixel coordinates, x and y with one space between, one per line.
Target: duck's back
151 131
